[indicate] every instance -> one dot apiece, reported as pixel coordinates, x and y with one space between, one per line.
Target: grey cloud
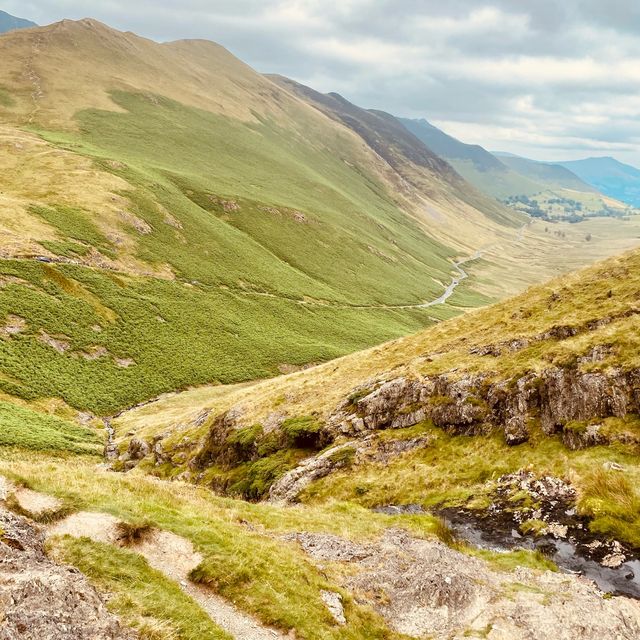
547 77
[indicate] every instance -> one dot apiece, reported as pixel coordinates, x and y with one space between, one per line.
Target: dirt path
175 557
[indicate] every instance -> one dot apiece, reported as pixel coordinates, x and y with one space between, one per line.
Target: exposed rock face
354 452
558 400
472 404
292 483
423 588
571 395
41 600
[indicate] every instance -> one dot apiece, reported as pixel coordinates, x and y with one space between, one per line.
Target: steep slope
205 187
422 175
615 179
9 22
392 142
165 199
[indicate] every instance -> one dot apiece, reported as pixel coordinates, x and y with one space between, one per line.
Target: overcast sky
549 79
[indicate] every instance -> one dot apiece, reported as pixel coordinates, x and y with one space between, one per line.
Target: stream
462 274
487 534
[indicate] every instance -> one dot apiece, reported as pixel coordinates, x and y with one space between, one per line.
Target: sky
547 79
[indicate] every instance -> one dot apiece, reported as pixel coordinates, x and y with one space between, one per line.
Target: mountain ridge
10 23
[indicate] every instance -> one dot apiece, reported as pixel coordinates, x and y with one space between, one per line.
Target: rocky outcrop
568 401
287 488
473 403
40 599
355 452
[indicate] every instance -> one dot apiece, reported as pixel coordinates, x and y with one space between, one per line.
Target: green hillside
239 225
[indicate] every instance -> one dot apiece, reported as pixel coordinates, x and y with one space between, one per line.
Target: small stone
333 602
613 560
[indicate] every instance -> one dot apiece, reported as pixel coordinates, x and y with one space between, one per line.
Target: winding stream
462 274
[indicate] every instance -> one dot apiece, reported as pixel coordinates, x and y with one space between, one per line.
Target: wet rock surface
41 600
539 513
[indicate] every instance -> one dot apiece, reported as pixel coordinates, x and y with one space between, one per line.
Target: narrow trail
175 557
37 93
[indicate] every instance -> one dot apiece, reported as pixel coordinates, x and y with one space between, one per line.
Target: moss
303 431
575 426
343 457
437 401
255 479
244 441
536 527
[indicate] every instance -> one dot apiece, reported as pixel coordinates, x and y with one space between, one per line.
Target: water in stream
481 533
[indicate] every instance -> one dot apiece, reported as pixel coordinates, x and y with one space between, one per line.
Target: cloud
544 78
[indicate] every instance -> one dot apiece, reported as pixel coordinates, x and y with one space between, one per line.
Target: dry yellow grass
35 172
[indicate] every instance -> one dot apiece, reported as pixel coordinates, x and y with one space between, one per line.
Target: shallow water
623 580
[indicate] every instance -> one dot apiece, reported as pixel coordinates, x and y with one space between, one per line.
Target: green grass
74 224
187 160
177 335
25 428
142 597
256 285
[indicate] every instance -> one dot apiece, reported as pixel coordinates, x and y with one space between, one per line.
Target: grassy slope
608 290
228 335
244 558
220 220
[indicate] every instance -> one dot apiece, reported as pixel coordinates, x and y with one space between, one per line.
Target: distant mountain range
613 178
539 188
550 174
9 22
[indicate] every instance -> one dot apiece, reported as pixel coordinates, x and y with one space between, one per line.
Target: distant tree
588 237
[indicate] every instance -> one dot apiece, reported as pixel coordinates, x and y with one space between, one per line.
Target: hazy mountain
9 22
615 179
405 152
551 175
